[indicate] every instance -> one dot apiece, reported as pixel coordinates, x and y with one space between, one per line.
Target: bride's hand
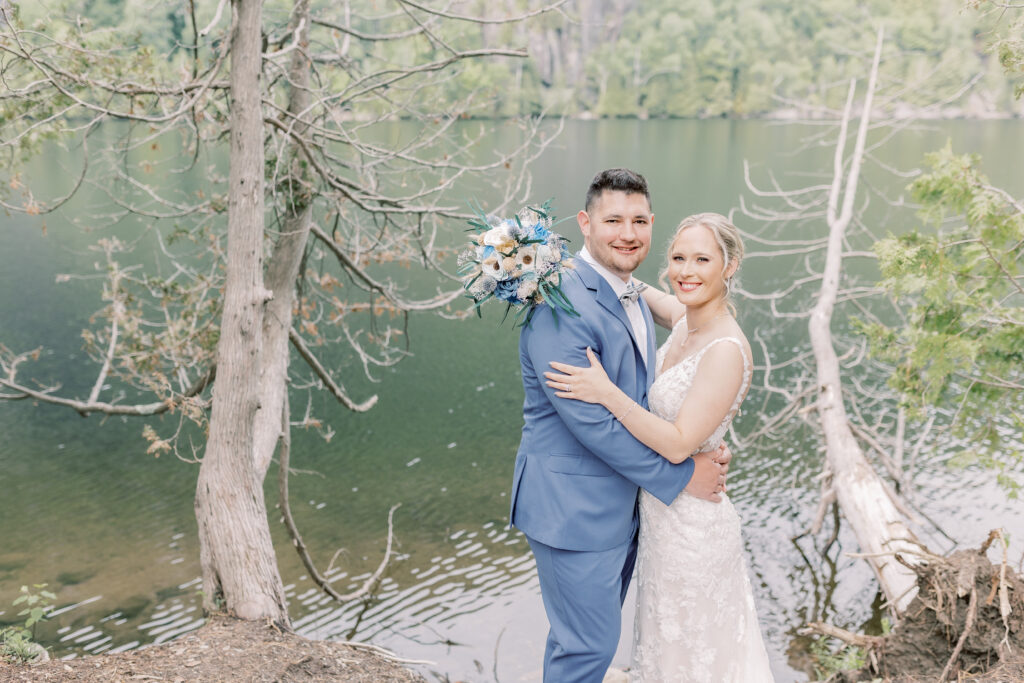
583 384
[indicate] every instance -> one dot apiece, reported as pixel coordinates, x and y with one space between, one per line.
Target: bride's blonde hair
729 242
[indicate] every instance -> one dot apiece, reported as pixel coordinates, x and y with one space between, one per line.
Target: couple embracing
621 462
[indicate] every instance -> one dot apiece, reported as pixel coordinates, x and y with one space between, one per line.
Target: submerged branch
293 530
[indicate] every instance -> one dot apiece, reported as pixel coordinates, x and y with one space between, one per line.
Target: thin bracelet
631 404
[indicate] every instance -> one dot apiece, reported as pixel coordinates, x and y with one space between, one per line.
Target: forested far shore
646 58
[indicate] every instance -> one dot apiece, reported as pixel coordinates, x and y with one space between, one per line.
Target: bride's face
695 270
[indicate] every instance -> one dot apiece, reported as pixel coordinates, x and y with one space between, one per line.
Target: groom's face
617 230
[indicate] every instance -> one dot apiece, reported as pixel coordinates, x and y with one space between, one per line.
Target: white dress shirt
632 309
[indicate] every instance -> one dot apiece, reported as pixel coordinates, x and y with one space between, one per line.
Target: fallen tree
867 502
956 615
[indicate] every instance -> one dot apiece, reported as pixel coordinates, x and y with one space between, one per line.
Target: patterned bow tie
632 292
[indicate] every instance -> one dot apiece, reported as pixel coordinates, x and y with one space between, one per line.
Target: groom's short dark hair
617 180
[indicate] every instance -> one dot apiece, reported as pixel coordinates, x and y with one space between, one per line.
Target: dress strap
734 340
747 369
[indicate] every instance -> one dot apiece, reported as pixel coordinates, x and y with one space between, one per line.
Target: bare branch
385 290
284 462
778 192
856 639
57 203
216 18
780 294
294 44
348 30
87 407
481 20
386 654
336 390
115 318
401 74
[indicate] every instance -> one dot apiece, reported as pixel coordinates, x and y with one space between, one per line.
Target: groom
578 470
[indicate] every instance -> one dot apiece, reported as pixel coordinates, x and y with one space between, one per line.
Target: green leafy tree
743 57
1010 47
962 291
961 344
665 58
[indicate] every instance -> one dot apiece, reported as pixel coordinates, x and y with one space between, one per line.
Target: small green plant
827 663
16 642
37 604
16 645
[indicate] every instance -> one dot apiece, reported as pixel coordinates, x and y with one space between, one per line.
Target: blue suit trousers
583 592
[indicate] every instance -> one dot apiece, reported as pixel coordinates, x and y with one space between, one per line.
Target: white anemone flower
493 266
526 258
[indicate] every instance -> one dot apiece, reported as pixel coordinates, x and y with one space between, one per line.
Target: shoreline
228 649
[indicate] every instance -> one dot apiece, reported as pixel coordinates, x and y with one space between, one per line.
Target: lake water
112 531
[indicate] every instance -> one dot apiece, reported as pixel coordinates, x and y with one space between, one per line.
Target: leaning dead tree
866 501
272 177
837 389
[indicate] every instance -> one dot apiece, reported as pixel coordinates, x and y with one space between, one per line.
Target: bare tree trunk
863 497
251 358
235 549
286 258
576 55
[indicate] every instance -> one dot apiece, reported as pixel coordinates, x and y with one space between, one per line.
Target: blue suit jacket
578 470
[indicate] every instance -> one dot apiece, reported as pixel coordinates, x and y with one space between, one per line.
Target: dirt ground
967 622
226 649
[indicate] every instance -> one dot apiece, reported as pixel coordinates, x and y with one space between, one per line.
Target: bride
695 617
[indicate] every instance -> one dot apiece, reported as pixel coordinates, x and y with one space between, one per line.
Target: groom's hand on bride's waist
723 456
708 478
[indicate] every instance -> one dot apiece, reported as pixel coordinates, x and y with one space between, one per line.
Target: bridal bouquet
517 260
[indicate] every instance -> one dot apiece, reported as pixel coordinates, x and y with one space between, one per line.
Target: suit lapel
606 298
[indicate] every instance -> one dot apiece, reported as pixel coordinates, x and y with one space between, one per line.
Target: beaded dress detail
695 617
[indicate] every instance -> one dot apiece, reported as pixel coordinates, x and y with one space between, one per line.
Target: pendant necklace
689 331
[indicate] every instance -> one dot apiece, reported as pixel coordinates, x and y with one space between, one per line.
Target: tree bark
236 554
862 496
286 257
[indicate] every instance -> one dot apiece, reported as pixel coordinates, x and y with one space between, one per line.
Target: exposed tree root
965 624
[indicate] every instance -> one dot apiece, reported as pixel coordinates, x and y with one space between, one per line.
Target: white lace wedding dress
695 617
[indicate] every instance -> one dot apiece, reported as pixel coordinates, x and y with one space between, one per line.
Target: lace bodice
672 384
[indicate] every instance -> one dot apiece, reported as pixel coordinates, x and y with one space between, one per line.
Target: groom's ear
583 220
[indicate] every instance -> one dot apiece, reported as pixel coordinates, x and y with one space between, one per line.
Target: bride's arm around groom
578 468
